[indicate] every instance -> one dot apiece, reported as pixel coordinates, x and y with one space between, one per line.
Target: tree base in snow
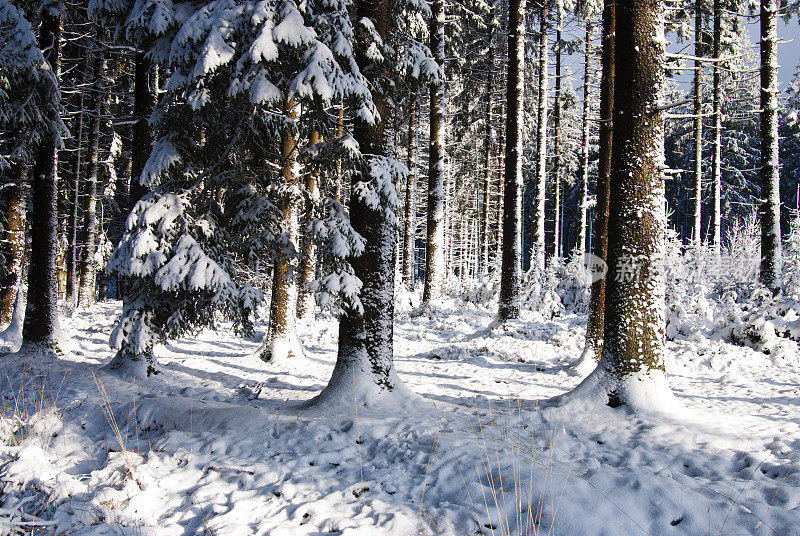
584 365
646 392
281 348
127 365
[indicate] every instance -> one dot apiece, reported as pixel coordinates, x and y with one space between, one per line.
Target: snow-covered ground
219 444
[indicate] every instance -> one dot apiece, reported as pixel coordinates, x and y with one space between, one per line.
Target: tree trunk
72 238
698 126
364 363
597 296
538 258
41 324
557 139
634 313
770 181
509 304
410 208
434 250
281 340
716 160
145 97
487 166
13 240
587 108
87 273
308 264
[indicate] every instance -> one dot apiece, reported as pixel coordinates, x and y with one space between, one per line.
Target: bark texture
634 308
769 210
557 137
281 339
41 324
435 244
410 204
13 240
697 110
597 295
538 258
510 274
716 158
587 108
308 262
87 273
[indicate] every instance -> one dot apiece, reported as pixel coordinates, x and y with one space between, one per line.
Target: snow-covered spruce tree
769 211
631 370
364 372
225 172
510 273
40 65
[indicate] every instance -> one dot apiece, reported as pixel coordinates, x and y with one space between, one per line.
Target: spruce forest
400 267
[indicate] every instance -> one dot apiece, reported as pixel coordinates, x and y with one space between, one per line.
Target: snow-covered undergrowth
217 443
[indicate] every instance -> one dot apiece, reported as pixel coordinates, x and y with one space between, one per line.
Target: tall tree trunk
597 296
410 206
634 314
697 110
337 189
557 138
145 97
770 181
13 240
72 226
487 170
308 263
434 250
281 340
87 273
510 273
364 363
538 259
41 324
716 159
587 108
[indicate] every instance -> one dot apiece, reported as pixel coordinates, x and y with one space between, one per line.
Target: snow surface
218 443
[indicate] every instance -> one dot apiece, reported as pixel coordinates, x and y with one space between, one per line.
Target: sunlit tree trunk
716 158
770 180
13 240
584 208
697 110
410 205
435 246
557 138
538 258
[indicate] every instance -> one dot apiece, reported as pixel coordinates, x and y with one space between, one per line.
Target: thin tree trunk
281 340
634 313
72 238
435 246
510 273
86 268
410 208
13 240
557 139
337 191
538 258
587 65
597 296
308 264
697 110
770 180
41 324
487 167
716 160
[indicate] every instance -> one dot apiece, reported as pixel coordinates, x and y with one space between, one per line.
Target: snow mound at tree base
281 349
646 392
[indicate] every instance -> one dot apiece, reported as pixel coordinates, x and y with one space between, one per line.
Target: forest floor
218 444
